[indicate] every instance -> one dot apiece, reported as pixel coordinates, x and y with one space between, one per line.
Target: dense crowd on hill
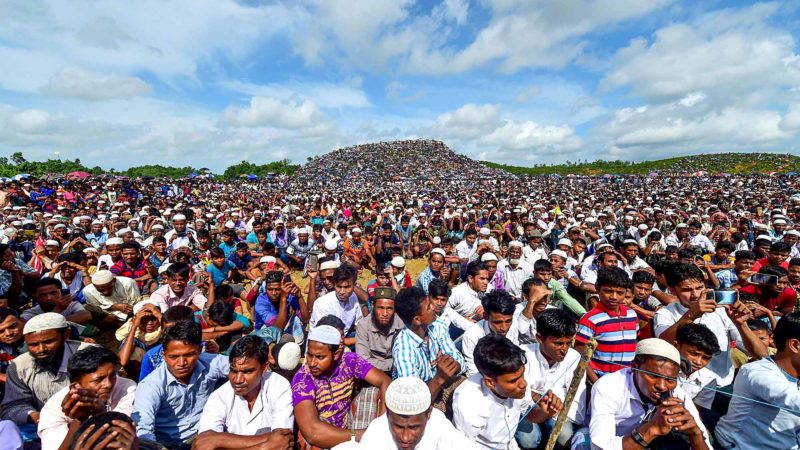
229 315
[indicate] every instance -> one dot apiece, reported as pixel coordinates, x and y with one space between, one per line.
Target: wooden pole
577 378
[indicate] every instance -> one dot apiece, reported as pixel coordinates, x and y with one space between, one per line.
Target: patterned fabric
332 395
365 407
120 268
415 357
615 335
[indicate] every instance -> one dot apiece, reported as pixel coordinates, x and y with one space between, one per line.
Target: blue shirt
425 279
413 357
227 248
726 278
220 275
168 411
152 359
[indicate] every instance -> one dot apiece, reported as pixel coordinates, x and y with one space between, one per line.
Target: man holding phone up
728 323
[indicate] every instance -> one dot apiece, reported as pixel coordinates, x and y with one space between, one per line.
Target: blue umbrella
791 173
252 177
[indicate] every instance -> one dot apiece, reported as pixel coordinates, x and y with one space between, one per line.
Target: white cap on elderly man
559 253
658 347
408 396
102 277
521 245
51 242
44 322
779 222
325 334
330 244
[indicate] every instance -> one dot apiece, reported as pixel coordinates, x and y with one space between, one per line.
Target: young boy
697 344
220 323
221 269
612 324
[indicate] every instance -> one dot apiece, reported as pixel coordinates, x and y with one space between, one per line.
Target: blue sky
210 83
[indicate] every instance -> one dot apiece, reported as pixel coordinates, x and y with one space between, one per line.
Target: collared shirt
521 328
726 278
485 418
122 269
755 426
165 298
54 424
465 251
298 249
617 409
514 276
464 300
530 255
700 386
29 387
615 334
425 278
125 291
439 434
703 242
226 412
168 411
414 357
332 395
450 317
719 323
375 344
71 309
541 377
349 311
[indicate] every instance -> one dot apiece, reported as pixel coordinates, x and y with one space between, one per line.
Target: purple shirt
332 395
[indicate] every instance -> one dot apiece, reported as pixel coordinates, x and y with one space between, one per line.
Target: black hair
262 231
177 313
644 277
439 288
6 312
408 302
475 267
726 245
332 321
229 233
185 331
221 312
250 347
671 249
530 282
88 360
686 253
542 264
223 291
496 355
201 233
746 255
557 323
757 325
48 282
159 239
96 423
698 335
216 252
241 246
273 276
792 262
131 244
676 274
780 246
345 272
500 302
788 328
471 232
695 224
778 271
612 276
178 269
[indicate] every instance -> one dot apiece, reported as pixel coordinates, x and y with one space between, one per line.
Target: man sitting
253 408
50 297
35 376
110 298
376 332
170 400
178 291
94 388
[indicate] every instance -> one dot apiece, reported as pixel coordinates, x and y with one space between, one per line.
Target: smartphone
763 278
287 278
723 297
313 263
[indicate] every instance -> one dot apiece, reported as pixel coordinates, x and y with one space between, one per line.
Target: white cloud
528 94
324 95
533 136
469 121
398 91
272 112
79 83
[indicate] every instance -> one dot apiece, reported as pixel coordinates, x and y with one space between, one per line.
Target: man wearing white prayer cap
411 424
33 377
180 235
622 404
110 299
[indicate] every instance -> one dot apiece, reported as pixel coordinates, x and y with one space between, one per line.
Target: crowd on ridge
229 315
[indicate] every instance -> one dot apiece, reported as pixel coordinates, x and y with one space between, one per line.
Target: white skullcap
289 356
485 231
488 256
793 233
658 347
325 334
178 217
229 224
610 228
330 244
627 218
438 251
630 242
163 268
408 396
355 230
565 241
97 222
642 227
681 225
779 222
157 227
114 241
50 242
45 321
61 225
102 277
560 253
303 230
124 231
521 245
267 259
398 261
437 240
327 265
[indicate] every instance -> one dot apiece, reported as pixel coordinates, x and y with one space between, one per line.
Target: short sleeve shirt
332 395
220 275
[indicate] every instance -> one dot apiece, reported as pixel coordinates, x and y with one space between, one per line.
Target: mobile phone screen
726 297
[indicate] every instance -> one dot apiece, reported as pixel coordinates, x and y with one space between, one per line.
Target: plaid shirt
123 270
414 357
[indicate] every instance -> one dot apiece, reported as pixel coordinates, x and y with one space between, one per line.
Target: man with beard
94 388
35 376
180 235
242 410
111 298
376 333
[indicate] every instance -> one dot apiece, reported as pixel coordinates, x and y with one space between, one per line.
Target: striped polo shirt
615 334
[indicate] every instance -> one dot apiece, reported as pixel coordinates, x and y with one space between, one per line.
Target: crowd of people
637 312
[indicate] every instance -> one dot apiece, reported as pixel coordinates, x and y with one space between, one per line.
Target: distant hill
715 163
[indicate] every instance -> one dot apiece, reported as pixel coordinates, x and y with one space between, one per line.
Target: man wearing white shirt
342 302
467 250
254 407
466 297
771 421
180 235
697 239
534 251
515 271
439 292
551 364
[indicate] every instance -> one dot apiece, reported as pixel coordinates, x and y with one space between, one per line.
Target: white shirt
753 426
485 418
226 412
719 323
541 377
478 330
125 291
450 317
465 251
617 410
463 299
329 303
515 276
530 256
180 241
439 435
699 386
54 425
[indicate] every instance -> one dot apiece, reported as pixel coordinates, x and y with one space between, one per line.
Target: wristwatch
638 438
